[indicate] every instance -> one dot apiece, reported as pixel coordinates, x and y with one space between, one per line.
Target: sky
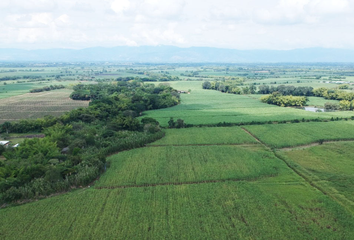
236 24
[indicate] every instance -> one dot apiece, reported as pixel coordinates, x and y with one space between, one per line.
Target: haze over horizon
243 25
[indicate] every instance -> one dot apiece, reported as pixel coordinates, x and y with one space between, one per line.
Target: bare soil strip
313 144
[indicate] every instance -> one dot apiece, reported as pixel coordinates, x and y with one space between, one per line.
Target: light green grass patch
332 163
290 135
163 165
227 210
320 102
212 107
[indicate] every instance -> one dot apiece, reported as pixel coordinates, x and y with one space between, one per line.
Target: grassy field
331 164
209 211
290 135
12 88
212 107
36 105
163 165
319 102
187 136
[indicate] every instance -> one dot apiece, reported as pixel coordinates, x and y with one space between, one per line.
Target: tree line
237 88
8 78
284 95
47 88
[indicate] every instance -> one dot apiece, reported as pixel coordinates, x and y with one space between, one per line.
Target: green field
14 89
331 164
212 107
291 135
208 211
188 136
165 165
319 102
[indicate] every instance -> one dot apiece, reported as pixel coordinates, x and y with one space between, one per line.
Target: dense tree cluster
277 98
150 77
286 90
73 151
235 88
47 88
334 94
230 87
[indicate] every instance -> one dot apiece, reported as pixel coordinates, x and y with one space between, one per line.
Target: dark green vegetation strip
291 135
208 211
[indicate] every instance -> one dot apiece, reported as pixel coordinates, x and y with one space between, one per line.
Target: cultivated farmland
174 165
208 136
36 105
208 211
330 164
291 135
212 107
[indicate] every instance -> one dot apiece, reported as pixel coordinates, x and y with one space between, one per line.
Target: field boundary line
215 144
254 136
315 144
313 183
306 178
182 183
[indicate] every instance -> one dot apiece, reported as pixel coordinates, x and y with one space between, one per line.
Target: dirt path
189 183
304 176
313 144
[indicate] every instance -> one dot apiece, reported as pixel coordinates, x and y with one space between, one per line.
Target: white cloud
120 5
276 24
324 7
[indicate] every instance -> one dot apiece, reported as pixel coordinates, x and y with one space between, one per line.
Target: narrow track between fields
305 177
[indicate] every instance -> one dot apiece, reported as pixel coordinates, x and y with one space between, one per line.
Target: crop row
332 164
208 211
161 165
290 135
212 135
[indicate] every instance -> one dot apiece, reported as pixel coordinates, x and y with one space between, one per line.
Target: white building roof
4 142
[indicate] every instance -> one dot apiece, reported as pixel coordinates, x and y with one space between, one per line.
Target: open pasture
164 165
291 135
36 105
12 88
213 135
332 164
320 102
212 107
227 210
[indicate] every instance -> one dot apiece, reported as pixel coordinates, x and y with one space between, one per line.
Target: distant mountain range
171 54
